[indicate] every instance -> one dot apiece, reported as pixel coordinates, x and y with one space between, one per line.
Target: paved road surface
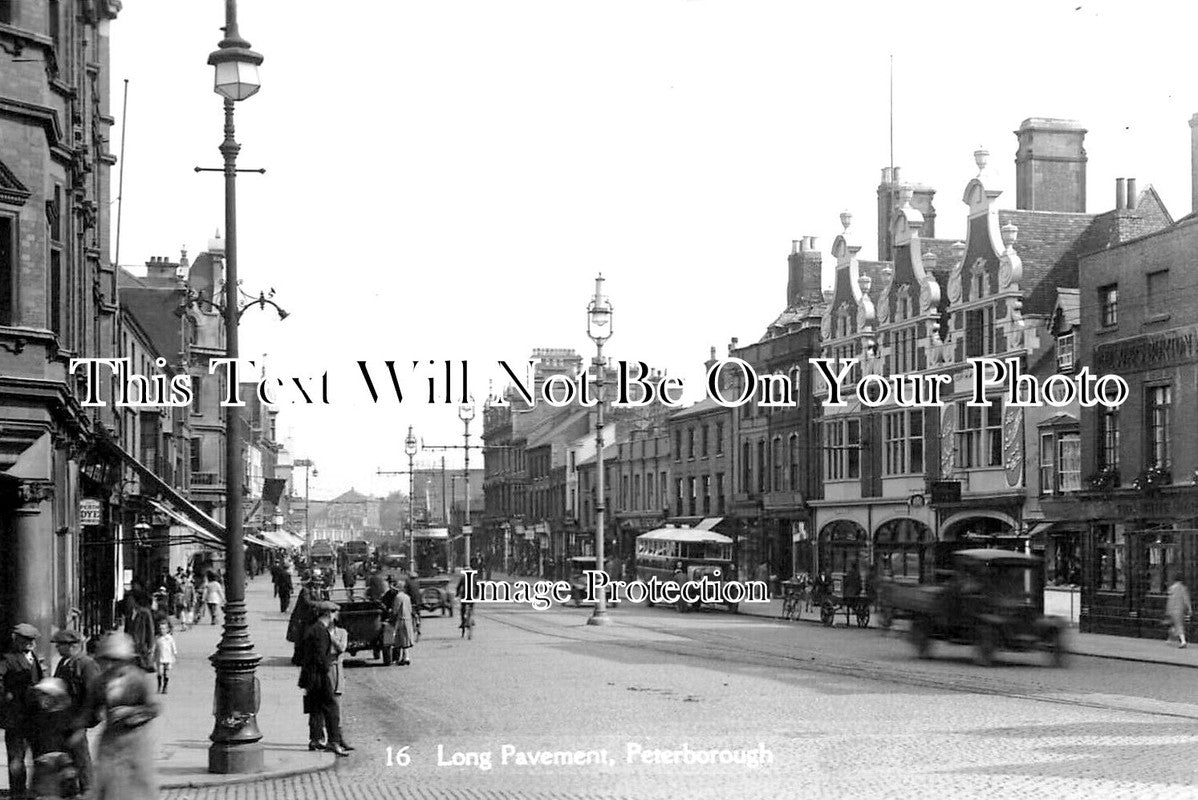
842 713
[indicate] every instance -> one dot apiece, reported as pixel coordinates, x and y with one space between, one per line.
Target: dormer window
902 306
1066 352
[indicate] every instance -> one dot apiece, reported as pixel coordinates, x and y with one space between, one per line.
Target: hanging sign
90 511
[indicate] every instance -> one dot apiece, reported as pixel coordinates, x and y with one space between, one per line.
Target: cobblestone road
842 713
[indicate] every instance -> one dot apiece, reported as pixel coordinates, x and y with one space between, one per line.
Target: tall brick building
57 301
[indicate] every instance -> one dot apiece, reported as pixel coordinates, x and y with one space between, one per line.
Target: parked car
576 567
991 599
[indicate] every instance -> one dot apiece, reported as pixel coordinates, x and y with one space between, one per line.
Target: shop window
1111 558
1162 555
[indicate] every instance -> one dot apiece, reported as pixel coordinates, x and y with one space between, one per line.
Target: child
165 654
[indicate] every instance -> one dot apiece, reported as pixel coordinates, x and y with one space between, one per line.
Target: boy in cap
81 675
20 671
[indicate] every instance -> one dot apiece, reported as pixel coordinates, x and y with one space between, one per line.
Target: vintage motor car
577 567
436 593
363 622
991 599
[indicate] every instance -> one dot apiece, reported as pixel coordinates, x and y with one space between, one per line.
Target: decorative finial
958 250
980 157
865 282
1010 232
846 219
930 259
887 272
828 295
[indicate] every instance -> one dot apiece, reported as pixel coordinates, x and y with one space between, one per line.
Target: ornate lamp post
236 740
409 448
599 326
465 414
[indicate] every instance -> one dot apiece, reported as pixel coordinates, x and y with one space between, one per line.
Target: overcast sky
445 179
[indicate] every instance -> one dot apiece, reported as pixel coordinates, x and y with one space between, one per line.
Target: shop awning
256 538
187 512
200 534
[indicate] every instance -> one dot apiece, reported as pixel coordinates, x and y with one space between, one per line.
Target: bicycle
466 625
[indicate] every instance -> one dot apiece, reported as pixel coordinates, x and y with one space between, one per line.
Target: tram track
730 648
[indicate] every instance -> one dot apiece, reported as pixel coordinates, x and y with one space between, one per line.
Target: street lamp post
409 448
236 740
465 414
308 465
599 318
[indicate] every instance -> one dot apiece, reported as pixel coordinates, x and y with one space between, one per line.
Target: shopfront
1134 548
903 548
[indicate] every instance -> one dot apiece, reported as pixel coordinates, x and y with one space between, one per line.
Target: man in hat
316 679
20 671
81 675
283 587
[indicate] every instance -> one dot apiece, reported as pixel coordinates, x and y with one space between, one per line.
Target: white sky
444 179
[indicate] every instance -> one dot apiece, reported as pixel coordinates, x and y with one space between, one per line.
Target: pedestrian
201 584
348 579
54 772
142 629
316 679
166 653
1177 610
79 673
465 611
399 617
20 671
172 594
852 590
187 604
339 637
283 589
214 595
125 758
252 566
274 578
376 586
161 605
302 616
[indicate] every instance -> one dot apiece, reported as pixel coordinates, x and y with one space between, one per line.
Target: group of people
320 642
47 717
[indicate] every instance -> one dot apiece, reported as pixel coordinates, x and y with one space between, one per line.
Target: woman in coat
125 759
401 618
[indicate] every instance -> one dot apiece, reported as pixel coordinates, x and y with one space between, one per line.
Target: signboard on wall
91 511
946 492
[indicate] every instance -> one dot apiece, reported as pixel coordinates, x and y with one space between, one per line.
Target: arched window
842 544
902 549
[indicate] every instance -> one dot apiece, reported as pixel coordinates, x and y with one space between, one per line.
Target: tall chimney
1050 165
1120 194
1131 194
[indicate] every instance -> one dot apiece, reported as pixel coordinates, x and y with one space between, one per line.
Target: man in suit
81 675
283 588
316 679
20 670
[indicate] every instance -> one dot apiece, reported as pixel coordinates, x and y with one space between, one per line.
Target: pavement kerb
250 777
1076 652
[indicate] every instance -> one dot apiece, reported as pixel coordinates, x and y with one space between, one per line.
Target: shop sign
946 492
90 511
1156 350
1164 508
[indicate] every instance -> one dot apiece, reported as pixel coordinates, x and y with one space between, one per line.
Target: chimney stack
1131 194
804 274
1050 165
1120 194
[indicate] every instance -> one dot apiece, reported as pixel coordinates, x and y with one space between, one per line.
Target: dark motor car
991 599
